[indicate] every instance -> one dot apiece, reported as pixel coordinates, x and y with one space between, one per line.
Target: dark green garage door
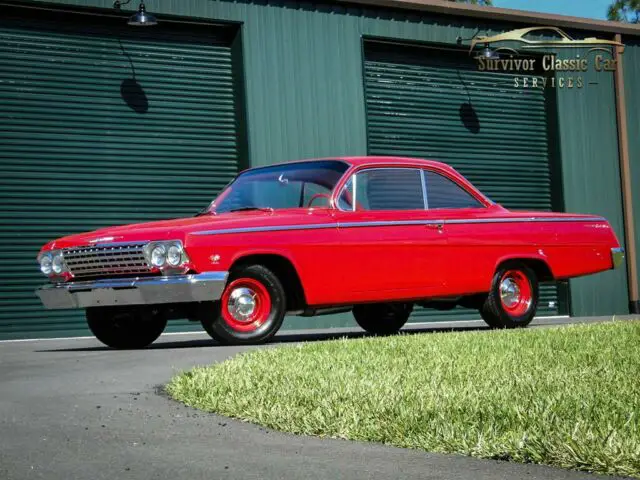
103 124
436 105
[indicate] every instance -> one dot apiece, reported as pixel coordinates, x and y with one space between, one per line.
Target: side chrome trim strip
391 223
271 228
388 223
527 219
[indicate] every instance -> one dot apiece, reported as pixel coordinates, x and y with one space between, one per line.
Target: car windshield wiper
244 209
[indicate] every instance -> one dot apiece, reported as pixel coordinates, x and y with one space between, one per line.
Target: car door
468 256
389 243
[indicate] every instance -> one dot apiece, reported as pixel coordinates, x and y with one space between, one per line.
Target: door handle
436 226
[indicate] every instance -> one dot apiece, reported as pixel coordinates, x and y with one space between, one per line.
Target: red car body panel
347 257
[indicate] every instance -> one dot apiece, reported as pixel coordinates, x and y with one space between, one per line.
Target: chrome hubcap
242 303
509 292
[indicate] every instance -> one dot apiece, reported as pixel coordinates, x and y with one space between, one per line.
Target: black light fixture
489 54
486 51
142 18
139 19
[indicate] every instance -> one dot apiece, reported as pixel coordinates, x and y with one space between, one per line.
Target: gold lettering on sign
544 70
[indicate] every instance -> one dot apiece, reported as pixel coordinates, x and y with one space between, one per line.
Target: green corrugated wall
305 98
631 65
588 137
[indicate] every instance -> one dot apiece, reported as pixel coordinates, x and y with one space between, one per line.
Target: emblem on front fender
103 239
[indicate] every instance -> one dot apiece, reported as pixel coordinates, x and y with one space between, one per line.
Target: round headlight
174 255
57 264
45 264
158 256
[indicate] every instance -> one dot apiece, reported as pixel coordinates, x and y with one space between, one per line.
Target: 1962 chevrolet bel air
374 235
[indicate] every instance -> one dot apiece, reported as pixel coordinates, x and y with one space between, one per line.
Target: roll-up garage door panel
431 104
103 124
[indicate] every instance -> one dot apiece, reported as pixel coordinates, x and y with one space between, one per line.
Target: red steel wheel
513 299
251 309
245 304
515 293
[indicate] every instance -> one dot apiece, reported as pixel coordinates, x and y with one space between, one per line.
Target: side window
389 189
445 193
318 193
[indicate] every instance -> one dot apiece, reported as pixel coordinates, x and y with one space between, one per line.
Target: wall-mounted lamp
490 54
139 19
486 51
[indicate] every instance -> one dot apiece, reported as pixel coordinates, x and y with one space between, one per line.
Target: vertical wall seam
625 178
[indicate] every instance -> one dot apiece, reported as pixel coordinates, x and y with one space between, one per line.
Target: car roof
386 160
357 161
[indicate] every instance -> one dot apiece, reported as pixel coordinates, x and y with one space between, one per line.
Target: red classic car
374 235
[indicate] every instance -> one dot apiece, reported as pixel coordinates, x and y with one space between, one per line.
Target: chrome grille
106 260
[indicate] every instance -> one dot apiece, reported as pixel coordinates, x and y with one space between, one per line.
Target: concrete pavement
71 409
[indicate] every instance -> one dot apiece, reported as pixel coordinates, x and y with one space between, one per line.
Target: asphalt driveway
71 409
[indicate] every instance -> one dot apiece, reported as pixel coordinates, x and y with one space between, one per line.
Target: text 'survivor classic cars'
371 235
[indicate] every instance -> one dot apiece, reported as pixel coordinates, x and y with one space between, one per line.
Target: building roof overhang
448 7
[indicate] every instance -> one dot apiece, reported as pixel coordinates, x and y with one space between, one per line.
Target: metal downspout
625 180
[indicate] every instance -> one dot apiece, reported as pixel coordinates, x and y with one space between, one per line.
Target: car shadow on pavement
284 338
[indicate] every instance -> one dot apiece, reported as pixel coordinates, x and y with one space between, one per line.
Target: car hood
180 228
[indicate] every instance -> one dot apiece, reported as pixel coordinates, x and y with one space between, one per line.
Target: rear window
445 193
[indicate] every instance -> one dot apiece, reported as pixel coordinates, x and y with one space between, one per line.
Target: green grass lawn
568 396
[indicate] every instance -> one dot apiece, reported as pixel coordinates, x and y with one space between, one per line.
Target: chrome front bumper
134 291
617 257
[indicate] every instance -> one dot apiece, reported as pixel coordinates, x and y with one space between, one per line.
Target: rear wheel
251 309
513 299
126 328
382 318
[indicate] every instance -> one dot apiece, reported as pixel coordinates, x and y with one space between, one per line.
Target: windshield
292 185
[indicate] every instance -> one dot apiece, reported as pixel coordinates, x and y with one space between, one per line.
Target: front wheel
382 318
513 299
126 328
251 309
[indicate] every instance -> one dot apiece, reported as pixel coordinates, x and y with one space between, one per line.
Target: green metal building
102 123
